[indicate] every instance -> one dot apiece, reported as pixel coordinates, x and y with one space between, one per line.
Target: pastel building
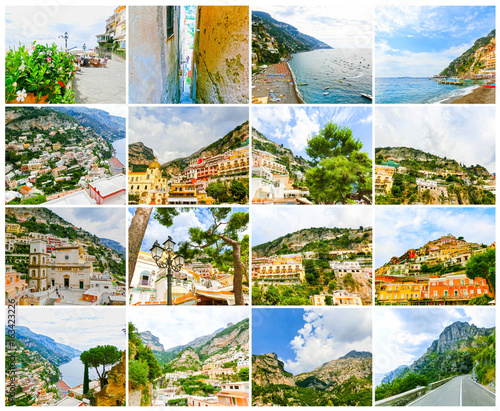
383 179
286 269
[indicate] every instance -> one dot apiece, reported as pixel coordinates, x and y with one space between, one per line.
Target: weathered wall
153 59
221 54
114 393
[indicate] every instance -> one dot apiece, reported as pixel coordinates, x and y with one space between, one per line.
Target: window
446 293
170 21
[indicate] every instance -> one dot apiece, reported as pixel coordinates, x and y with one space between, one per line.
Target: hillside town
320 274
49 269
196 283
427 179
435 274
189 187
61 163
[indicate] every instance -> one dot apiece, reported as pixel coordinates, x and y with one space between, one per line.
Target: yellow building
236 162
340 297
282 269
383 179
14 228
150 186
397 293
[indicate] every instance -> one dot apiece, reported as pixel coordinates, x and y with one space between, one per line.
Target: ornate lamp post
65 37
84 47
164 258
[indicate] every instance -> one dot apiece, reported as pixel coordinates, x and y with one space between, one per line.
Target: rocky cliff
139 154
268 370
33 118
336 372
151 341
456 334
392 375
231 336
186 360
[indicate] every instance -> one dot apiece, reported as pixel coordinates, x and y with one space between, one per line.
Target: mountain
141 156
151 341
108 126
461 348
287 35
336 237
114 245
32 118
261 142
392 375
51 350
345 381
188 359
468 63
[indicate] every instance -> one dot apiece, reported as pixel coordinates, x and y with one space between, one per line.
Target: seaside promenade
275 86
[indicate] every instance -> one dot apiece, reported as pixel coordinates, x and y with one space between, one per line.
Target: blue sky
175 132
398 229
179 231
444 130
292 126
344 26
184 324
307 338
104 222
422 41
269 223
79 327
402 335
46 23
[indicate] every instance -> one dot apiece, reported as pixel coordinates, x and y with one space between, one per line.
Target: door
66 282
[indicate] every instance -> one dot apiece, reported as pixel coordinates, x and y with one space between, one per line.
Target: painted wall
153 59
221 55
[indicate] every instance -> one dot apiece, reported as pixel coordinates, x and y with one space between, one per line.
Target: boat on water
303 84
490 85
366 96
340 81
315 78
327 87
325 94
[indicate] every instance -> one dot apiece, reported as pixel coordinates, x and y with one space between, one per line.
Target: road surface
460 391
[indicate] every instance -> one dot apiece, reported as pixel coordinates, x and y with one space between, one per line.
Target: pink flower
49 59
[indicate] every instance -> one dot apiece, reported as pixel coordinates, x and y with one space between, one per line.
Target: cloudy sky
307 338
104 222
44 24
78 327
292 126
174 132
402 335
397 229
179 231
422 41
269 223
184 324
443 130
339 26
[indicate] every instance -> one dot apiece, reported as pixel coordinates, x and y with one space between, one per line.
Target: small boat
349 84
315 78
327 87
340 81
325 94
366 96
490 85
303 84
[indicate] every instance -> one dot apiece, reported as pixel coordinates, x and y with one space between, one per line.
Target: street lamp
65 37
164 258
84 47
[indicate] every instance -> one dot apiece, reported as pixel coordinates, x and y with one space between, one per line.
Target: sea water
416 90
72 372
350 66
120 149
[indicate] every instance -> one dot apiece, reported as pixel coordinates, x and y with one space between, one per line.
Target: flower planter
31 98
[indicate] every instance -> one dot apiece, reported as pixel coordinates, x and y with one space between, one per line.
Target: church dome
155 164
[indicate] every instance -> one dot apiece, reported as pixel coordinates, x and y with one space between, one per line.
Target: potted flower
38 74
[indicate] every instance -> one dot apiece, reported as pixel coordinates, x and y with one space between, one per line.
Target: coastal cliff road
460 391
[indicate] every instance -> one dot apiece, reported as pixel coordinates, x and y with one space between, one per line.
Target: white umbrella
76 51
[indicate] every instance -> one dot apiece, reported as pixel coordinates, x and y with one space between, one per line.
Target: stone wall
153 58
221 55
114 392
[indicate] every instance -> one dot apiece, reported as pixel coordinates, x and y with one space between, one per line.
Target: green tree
339 168
218 191
483 265
238 191
35 200
101 356
243 374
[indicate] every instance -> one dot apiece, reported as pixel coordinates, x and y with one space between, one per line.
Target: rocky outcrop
232 336
113 394
267 369
186 360
31 118
454 334
336 372
138 154
151 341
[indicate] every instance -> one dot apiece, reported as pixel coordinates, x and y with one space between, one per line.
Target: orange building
15 287
455 288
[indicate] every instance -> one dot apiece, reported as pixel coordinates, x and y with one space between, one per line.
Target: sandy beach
480 95
275 86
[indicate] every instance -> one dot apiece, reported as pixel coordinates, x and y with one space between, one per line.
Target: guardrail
408 396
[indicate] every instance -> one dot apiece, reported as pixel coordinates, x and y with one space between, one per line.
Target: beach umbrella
76 50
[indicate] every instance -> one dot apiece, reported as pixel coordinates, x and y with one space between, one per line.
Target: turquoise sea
121 150
72 372
416 90
347 73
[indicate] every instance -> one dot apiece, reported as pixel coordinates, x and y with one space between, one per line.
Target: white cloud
327 335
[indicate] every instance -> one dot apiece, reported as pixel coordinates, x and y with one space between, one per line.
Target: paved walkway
185 98
96 85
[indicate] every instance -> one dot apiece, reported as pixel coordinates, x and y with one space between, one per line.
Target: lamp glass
169 244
